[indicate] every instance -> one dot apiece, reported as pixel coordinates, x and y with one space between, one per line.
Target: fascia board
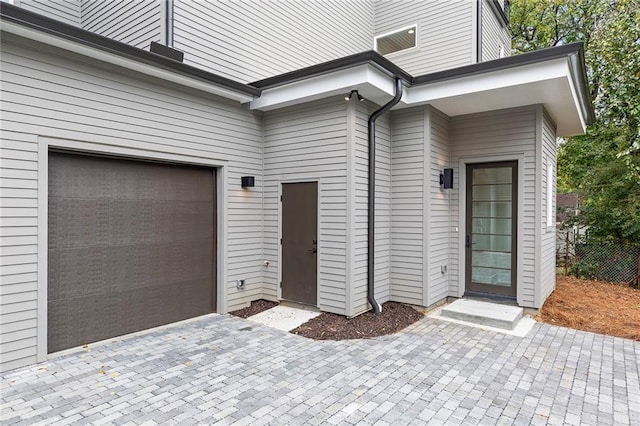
124 62
370 81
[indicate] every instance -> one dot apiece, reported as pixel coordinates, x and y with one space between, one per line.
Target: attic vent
166 51
396 41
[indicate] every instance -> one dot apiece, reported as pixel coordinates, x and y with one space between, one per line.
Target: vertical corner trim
426 204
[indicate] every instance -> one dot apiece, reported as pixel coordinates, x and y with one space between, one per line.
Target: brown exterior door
131 246
491 228
300 242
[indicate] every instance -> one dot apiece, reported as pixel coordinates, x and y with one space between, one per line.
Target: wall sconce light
350 95
248 181
446 179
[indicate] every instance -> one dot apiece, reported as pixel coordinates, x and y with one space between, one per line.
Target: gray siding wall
483 137
407 221
135 22
438 209
249 40
494 35
547 244
305 143
445 32
18 246
49 93
67 11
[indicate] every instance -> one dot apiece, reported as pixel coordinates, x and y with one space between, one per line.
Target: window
402 39
550 194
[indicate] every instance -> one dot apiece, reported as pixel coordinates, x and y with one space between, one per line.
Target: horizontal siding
46 92
445 32
548 233
302 143
502 132
18 248
407 224
494 35
439 210
248 40
67 11
135 22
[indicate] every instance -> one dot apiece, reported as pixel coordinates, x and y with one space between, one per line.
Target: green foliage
603 166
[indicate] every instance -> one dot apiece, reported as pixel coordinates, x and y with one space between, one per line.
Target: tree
603 166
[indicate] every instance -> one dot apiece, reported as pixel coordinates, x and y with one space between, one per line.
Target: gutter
371 193
369 57
581 83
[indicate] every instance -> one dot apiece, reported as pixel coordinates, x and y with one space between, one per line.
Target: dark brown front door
132 245
299 242
491 228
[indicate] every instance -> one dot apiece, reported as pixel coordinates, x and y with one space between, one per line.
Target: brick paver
228 370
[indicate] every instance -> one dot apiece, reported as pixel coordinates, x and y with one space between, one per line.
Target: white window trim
397 30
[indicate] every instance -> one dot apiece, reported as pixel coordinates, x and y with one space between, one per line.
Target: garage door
131 246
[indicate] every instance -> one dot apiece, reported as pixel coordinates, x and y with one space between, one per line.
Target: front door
491 228
300 242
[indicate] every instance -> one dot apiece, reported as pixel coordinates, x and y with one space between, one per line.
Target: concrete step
484 313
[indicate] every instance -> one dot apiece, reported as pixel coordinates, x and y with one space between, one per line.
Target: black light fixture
446 179
350 95
248 181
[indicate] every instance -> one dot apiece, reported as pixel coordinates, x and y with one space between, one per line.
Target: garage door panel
127 312
118 263
101 222
101 270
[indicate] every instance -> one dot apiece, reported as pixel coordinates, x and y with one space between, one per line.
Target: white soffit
548 83
124 62
370 82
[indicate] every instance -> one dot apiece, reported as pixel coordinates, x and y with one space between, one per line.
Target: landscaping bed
596 306
256 307
326 326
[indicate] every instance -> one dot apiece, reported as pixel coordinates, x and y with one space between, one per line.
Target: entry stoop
483 313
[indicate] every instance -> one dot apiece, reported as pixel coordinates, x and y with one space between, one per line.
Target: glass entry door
491 228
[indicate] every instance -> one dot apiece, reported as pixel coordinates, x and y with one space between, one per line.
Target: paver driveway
222 368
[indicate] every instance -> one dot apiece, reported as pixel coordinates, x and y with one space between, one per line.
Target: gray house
233 162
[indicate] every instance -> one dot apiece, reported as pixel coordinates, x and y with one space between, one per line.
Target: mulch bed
596 306
326 326
256 307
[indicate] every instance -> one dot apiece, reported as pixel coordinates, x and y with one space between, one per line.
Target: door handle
468 242
313 250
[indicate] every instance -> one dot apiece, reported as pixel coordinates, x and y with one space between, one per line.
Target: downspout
168 25
371 228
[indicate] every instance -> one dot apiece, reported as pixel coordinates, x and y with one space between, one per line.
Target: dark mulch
256 307
326 326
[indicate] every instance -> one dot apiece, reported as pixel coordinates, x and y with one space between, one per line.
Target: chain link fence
598 260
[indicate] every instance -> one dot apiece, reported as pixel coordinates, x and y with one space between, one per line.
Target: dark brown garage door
131 246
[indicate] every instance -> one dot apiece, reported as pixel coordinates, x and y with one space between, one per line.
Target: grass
596 306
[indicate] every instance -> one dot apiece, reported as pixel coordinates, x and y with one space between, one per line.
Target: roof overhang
549 83
372 83
45 30
553 77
